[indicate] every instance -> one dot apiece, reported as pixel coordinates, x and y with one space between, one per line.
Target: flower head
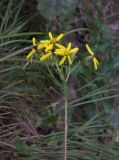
65 52
95 61
33 51
48 45
42 46
52 40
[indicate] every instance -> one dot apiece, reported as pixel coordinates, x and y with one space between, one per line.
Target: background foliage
31 105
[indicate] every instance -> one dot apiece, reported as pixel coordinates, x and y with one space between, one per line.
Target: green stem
66 120
66 129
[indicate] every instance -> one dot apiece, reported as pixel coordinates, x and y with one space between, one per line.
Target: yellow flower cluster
51 47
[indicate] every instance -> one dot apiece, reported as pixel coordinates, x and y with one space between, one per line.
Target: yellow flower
95 61
65 53
33 51
43 45
46 56
36 47
52 40
48 45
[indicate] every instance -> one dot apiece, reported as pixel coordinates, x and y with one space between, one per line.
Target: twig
8 145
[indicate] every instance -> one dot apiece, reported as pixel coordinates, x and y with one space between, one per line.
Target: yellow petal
34 41
69 47
62 50
89 50
41 46
96 63
60 46
45 41
31 54
59 37
43 58
74 50
59 52
50 35
50 47
62 60
69 59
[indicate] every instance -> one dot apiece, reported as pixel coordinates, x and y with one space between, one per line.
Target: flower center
66 53
53 40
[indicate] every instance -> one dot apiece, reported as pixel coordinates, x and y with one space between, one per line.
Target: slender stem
65 129
65 117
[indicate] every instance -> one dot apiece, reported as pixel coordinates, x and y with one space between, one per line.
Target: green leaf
51 9
20 146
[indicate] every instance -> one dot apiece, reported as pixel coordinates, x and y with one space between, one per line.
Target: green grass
31 98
